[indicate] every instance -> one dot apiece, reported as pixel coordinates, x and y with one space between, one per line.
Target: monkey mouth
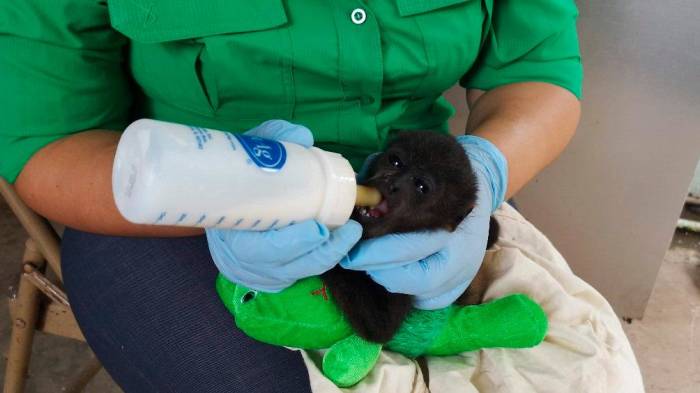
378 211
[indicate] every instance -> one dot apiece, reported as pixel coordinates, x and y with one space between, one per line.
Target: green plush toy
305 316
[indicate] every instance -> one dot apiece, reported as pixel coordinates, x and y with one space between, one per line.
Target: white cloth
585 349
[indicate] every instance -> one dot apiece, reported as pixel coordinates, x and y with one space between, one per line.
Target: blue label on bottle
265 153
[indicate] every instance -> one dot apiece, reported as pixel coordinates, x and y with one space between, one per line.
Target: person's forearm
531 123
70 182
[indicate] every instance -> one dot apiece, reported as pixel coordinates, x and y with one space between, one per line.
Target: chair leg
23 325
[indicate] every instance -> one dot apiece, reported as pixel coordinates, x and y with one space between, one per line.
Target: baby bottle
172 174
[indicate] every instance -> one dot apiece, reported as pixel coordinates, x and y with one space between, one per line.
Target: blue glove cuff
486 158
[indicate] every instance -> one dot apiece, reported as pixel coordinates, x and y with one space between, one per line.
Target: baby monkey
427 183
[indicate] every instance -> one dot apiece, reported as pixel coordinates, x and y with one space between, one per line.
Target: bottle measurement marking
272 225
231 140
200 219
160 218
201 135
220 220
182 217
240 220
255 224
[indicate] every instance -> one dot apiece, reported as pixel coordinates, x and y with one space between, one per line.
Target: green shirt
352 71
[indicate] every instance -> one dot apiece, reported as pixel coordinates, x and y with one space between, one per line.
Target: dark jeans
150 312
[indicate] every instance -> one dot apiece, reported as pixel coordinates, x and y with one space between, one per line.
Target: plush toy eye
248 296
421 186
395 161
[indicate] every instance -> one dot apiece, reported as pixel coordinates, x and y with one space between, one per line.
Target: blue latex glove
437 266
273 260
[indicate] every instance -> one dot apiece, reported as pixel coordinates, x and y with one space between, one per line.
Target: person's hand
437 266
273 260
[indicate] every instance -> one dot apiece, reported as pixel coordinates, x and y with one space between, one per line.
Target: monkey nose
393 189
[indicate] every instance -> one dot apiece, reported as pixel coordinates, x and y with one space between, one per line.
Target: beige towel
584 351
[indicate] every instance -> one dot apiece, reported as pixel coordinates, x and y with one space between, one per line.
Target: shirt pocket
452 35
212 57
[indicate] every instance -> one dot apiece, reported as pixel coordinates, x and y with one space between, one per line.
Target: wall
695 183
611 201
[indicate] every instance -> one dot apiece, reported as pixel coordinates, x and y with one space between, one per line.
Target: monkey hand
272 260
437 266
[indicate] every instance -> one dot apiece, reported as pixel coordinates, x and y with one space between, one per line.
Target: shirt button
358 16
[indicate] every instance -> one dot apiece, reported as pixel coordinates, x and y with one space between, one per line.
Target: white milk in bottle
172 174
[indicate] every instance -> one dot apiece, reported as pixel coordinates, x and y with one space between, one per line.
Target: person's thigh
149 310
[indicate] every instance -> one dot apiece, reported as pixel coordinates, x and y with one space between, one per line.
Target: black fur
412 163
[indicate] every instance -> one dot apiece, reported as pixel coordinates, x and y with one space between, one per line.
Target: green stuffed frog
305 316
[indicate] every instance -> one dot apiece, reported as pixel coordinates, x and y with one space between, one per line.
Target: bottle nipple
367 196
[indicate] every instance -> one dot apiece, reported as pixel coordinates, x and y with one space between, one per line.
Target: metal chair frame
39 303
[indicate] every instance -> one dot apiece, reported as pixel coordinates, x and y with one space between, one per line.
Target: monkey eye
395 161
421 186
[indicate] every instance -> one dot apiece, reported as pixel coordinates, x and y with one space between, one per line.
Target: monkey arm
531 123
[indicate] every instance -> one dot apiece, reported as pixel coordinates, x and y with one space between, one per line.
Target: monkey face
426 182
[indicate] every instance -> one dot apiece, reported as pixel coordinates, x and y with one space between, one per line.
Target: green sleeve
61 72
533 40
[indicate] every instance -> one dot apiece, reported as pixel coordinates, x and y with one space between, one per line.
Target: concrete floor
666 341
